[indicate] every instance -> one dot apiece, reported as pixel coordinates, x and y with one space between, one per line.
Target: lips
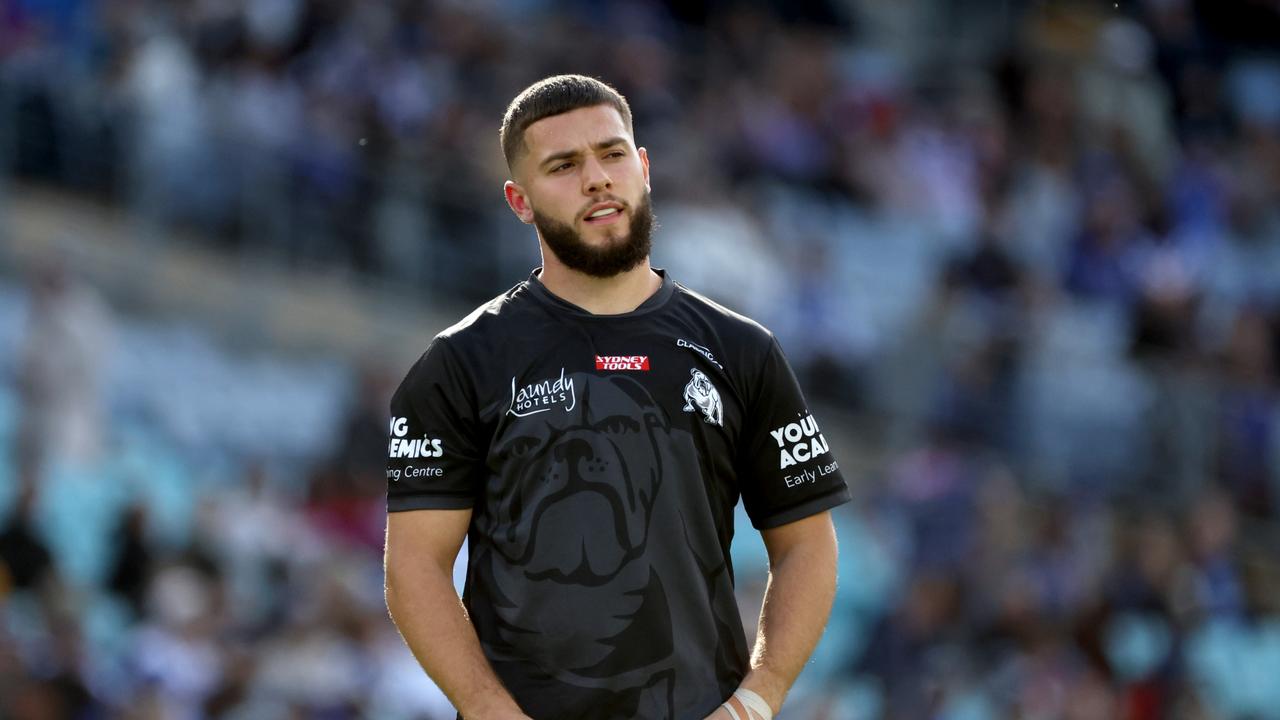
601 213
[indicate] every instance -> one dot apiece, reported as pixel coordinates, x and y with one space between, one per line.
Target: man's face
585 186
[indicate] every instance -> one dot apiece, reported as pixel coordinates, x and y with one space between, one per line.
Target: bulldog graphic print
701 395
599 601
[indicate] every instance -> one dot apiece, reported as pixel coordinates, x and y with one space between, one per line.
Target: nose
594 177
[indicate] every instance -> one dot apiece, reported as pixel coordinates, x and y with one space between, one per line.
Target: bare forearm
434 624
797 603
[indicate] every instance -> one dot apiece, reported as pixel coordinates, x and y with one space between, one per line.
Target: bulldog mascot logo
700 394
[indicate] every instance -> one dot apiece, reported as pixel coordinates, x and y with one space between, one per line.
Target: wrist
768 685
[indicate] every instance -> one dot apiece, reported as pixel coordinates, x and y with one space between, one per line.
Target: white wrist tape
757 708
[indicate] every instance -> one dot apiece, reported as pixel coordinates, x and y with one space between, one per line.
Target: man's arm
797 601
421 548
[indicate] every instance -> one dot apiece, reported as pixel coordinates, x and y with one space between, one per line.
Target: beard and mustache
618 255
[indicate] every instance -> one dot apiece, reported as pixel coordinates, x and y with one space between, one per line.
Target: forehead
574 130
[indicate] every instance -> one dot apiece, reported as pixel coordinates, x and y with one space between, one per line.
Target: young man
590 431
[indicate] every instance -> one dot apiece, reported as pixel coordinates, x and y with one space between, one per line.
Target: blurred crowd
1031 248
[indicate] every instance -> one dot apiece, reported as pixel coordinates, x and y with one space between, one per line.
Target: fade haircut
554 96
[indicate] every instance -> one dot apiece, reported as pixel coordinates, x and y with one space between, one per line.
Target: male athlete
590 431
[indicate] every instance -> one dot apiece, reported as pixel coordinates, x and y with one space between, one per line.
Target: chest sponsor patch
542 396
623 362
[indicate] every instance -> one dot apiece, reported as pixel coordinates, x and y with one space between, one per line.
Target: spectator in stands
25 561
130 574
60 379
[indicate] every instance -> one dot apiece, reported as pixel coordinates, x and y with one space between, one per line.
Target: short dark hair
554 96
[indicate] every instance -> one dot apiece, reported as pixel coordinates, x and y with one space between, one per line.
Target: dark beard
617 256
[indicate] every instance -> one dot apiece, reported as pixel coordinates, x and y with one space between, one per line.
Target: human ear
519 202
644 164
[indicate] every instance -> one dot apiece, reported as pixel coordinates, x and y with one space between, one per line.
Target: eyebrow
568 154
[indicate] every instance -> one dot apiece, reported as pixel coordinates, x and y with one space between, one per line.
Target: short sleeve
786 469
432 457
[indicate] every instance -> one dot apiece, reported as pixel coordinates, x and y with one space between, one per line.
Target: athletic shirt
602 457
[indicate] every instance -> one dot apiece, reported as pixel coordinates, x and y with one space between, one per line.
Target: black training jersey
603 456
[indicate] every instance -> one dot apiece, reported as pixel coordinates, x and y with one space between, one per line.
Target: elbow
392 588
407 585
396 598
389 597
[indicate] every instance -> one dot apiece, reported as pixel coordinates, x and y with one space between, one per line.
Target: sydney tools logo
622 362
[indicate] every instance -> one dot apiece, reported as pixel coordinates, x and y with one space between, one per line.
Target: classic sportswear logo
622 362
700 394
799 442
700 350
542 396
406 447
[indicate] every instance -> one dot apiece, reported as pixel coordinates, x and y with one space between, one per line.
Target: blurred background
1024 255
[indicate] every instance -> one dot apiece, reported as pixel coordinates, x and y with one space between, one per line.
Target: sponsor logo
402 446
799 442
542 396
415 472
810 476
700 350
700 394
622 362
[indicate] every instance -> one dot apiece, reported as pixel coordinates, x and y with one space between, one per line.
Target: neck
616 295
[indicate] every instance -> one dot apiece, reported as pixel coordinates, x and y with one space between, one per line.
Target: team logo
681 342
700 394
622 362
542 396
